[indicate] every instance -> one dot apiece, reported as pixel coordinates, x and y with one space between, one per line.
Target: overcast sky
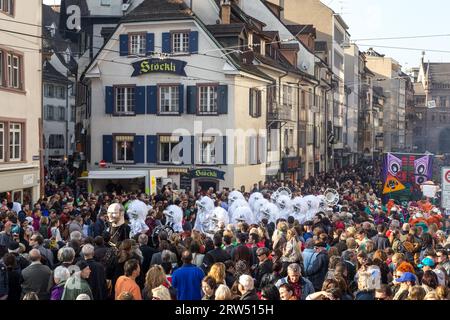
394 18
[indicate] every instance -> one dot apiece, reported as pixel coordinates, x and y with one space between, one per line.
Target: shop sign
291 164
208 173
28 179
159 66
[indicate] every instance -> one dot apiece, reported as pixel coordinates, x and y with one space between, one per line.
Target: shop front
290 168
203 179
20 185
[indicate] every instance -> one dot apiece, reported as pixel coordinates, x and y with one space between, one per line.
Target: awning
113 175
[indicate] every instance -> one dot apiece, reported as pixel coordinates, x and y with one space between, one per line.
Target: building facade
389 76
332 35
431 113
21 100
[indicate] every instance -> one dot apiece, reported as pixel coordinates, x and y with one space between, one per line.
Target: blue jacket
188 282
309 255
307 286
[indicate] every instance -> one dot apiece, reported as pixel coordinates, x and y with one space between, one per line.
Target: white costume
257 206
270 212
300 208
254 197
204 214
242 214
237 204
137 212
313 206
174 216
284 204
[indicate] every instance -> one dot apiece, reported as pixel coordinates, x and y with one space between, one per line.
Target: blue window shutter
250 102
150 46
193 149
224 139
108 148
166 45
123 44
181 98
152 147
193 42
140 100
222 99
152 99
191 98
109 100
139 149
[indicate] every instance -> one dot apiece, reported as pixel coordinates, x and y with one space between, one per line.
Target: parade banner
403 174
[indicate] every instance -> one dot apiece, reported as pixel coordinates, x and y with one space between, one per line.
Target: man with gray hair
97 277
36 277
66 255
76 235
302 286
147 252
246 287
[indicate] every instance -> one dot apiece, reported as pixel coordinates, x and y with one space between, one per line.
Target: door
206 184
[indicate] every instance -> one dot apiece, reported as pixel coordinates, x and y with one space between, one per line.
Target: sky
395 18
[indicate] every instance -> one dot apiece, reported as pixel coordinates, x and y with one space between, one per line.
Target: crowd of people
76 246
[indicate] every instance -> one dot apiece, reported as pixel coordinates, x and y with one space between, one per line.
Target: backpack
4 288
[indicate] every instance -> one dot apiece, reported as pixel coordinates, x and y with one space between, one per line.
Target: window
338 35
14 68
169 99
207 150
49 90
72 113
1 65
106 2
180 42
338 61
61 92
125 100
443 102
50 115
61 113
15 137
137 44
56 141
2 142
208 100
124 149
166 145
7 6
288 95
255 103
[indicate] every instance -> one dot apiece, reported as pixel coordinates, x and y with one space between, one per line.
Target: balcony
280 112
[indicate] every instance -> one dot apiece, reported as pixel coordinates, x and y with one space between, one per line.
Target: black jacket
14 288
147 253
317 273
97 280
261 270
251 295
213 256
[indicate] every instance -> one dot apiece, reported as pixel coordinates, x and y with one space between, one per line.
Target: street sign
102 164
445 187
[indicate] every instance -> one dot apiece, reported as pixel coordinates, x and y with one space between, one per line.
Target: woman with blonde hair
217 272
432 295
291 250
223 293
154 278
416 293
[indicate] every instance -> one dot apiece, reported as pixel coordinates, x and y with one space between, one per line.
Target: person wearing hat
14 248
77 283
407 281
426 264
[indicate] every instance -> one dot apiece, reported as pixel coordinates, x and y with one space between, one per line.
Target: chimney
225 7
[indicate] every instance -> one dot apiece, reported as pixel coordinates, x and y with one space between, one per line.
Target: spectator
187 279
